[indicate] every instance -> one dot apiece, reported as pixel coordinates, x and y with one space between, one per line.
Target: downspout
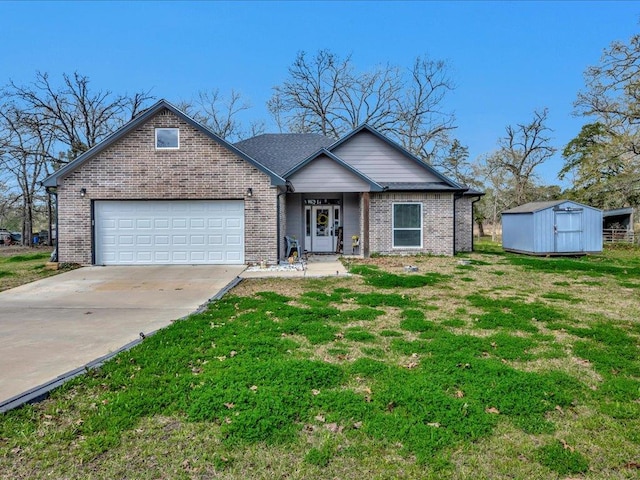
54 191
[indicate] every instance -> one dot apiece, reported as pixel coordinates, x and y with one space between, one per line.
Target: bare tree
25 157
325 94
499 192
221 114
73 114
525 147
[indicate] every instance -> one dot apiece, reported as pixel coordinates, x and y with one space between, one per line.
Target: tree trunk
27 222
480 224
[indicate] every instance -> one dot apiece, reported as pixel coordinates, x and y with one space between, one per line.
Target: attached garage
164 232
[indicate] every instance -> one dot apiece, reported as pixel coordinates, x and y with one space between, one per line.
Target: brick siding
132 169
437 222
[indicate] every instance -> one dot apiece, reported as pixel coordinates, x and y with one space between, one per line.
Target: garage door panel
144 257
232 223
216 257
198 223
125 240
144 224
161 240
165 232
233 257
233 239
179 223
143 240
215 240
196 240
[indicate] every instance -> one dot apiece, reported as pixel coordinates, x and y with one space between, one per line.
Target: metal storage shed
560 227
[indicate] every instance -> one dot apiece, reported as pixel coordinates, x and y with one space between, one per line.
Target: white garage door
130 232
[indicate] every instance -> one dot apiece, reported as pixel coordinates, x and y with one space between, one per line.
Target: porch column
365 224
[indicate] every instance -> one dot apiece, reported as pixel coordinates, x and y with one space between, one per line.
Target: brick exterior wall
133 169
437 222
464 224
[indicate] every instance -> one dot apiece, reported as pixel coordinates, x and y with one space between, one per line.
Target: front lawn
484 366
20 265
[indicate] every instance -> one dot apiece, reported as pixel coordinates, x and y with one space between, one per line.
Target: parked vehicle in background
5 237
43 237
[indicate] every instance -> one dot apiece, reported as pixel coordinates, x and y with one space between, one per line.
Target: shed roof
533 207
617 211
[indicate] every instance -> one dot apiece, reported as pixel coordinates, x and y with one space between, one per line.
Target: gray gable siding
380 161
325 175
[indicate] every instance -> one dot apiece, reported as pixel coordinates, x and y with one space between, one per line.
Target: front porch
324 223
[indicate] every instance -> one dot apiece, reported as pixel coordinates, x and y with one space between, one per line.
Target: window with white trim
407 225
167 138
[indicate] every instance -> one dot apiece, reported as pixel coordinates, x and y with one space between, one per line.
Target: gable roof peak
145 115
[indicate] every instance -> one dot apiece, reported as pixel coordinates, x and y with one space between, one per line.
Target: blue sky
506 58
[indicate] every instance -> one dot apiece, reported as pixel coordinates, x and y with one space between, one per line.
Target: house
561 227
164 189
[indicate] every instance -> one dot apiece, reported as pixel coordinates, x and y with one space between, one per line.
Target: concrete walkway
56 325
318 267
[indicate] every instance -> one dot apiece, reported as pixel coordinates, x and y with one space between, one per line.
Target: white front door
322 229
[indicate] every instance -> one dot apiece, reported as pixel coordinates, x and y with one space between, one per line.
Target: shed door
139 232
568 231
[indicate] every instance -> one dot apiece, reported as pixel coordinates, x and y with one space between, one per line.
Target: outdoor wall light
83 192
249 192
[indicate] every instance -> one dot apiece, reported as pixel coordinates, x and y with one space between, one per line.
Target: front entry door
322 229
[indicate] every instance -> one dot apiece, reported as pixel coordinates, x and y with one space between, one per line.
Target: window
167 138
407 225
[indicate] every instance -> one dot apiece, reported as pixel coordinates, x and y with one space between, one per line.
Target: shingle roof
281 152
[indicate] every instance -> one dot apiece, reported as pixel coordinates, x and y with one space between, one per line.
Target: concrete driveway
61 323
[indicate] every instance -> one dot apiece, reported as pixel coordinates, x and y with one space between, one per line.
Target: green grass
18 268
562 459
379 278
474 380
